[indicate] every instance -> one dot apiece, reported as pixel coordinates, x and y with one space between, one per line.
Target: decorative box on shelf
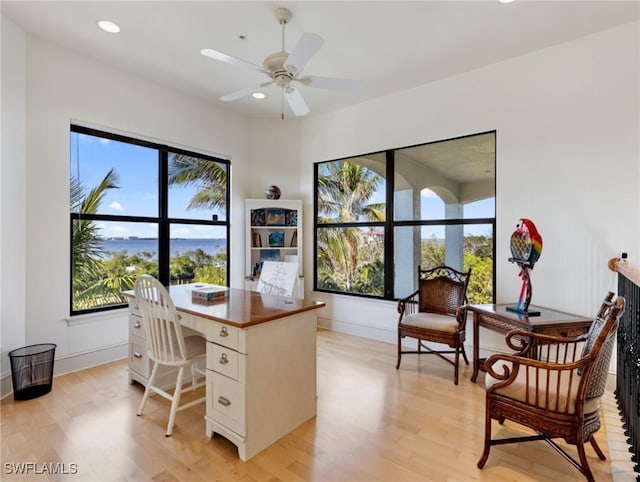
205 294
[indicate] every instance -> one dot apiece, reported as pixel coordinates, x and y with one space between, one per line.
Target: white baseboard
364 331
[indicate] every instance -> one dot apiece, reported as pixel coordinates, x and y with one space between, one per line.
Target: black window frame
162 220
389 225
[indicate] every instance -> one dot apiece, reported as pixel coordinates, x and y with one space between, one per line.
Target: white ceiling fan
285 69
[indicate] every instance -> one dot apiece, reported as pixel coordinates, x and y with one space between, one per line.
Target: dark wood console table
497 318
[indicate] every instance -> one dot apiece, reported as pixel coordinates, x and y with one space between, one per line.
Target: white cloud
116 206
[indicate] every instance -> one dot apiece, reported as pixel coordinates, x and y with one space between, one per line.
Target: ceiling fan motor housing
274 64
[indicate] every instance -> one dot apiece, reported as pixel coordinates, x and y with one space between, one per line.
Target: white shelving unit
274 233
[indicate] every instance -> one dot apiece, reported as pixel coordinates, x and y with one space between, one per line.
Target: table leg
476 348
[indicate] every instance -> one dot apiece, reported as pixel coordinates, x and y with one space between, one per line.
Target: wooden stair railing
628 356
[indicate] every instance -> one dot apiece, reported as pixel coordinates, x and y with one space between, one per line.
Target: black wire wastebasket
32 370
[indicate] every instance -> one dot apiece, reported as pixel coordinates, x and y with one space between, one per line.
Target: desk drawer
222 360
138 356
225 402
133 307
135 326
225 335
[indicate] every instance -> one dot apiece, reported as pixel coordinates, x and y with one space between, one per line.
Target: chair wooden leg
399 350
584 463
175 402
597 449
147 389
487 439
464 354
456 366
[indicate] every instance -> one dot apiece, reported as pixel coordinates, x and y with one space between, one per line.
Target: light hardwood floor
374 423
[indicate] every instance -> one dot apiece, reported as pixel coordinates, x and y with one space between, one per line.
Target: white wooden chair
167 344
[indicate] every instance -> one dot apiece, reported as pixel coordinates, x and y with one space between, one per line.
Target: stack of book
207 294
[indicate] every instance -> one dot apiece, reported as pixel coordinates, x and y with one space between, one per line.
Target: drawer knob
223 359
224 401
137 354
223 332
137 324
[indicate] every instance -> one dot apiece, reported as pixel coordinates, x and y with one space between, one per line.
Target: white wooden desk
261 363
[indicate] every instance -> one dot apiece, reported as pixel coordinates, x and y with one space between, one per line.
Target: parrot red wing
526 242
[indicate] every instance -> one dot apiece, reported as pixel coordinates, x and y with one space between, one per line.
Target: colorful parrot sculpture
526 246
526 242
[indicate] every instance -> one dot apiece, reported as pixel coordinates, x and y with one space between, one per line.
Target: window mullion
388 227
164 232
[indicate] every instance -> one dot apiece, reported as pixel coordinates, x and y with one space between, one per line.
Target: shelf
278 219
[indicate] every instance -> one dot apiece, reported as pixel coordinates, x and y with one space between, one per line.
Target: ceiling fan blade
238 94
331 83
306 48
296 102
214 54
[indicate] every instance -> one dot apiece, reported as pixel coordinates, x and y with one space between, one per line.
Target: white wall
567 157
275 155
12 197
62 86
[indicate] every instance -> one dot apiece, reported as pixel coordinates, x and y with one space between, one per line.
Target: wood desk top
241 308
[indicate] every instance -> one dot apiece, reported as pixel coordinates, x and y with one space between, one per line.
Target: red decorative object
526 247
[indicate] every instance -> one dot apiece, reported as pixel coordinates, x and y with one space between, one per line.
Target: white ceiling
390 46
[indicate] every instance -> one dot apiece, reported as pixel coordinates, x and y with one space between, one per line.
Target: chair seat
432 321
517 389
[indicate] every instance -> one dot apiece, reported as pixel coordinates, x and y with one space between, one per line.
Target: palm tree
209 175
89 283
344 191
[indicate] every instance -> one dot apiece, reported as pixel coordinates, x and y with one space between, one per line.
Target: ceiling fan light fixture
258 95
109 26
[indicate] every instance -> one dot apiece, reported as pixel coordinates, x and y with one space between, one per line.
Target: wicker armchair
436 313
553 385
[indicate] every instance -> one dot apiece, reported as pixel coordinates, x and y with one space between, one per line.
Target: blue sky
137 168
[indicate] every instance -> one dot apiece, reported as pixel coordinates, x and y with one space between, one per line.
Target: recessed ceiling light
505 1
258 95
108 26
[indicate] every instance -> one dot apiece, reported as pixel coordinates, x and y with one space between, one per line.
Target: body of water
178 246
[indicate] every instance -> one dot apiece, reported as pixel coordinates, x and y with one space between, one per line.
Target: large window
379 216
138 207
